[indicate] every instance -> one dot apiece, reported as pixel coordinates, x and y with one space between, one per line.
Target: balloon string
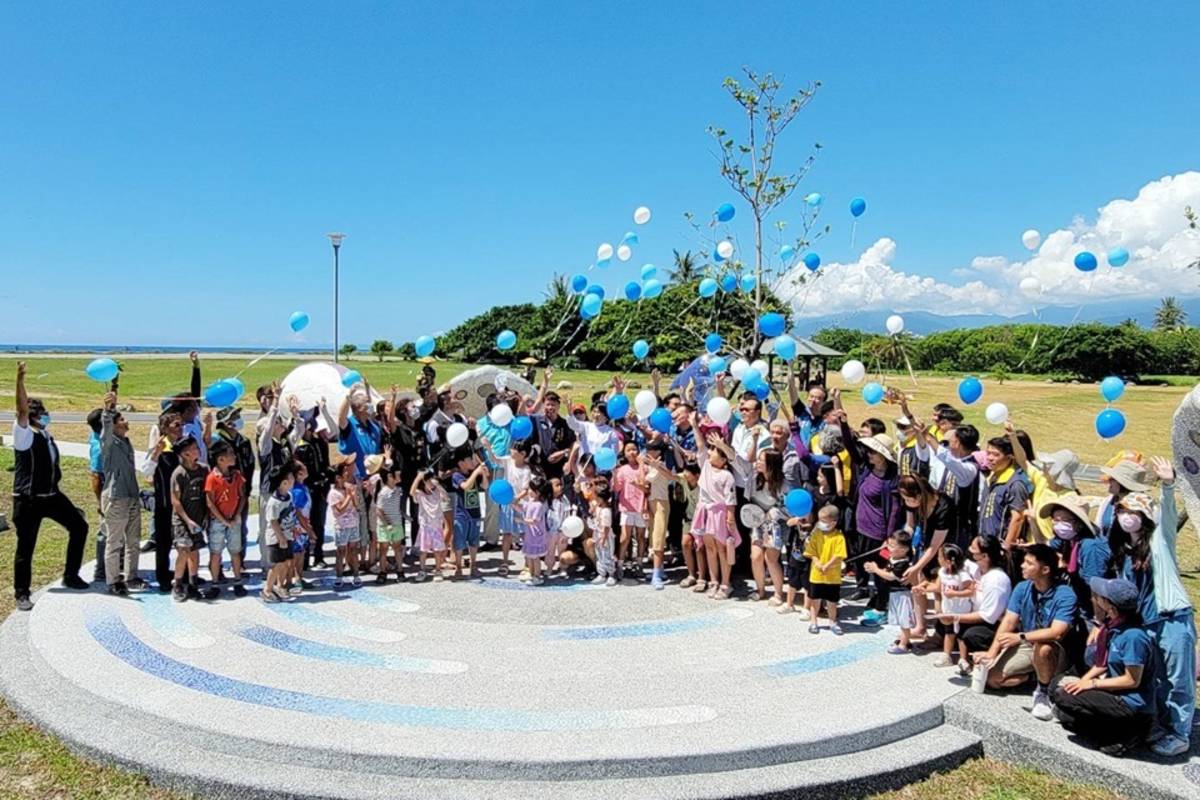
255 361
853 231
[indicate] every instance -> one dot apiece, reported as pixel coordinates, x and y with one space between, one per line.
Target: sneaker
598 580
897 650
687 582
179 593
24 603
439 577
785 609
211 593
656 581
1042 710
1170 746
135 583
357 581
267 597
419 577
611 581
836 629
538 581
239 590
75 582
381 579
814 628
337 582
944 661
295 591
118 589
965 668
805 614
193 591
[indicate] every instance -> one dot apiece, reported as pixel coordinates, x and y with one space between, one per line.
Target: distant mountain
922 323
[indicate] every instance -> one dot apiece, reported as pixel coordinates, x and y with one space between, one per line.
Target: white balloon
624 253
457 434
642 215
853 372
1030 285
644 402
997 413
604 252
500 415
725 248
719 410
1031 239
761 366
572 526
738 368
895 324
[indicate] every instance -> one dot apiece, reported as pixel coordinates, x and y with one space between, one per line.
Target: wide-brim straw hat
881 443
1061 466
1073 504
1129 474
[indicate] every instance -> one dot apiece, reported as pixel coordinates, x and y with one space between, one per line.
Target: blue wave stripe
164 618
820 662
639 629
300 614
284 642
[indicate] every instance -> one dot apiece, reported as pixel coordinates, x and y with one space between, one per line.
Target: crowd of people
983 551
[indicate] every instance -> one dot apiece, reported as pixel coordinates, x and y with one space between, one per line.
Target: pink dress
714 499
429 508
536 540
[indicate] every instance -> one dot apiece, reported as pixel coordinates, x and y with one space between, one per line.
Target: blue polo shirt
360 440
1144 580
1038 610
1132 647
95 464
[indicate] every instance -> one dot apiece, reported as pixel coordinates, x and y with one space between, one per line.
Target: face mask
44 419
1130 523
1064 530
825 526
238 424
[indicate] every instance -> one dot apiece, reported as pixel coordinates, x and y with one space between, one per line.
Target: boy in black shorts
189 519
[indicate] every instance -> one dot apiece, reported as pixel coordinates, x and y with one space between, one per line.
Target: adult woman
877 512
1084 555
992 590
1143 543
930 518
1113 702
766 489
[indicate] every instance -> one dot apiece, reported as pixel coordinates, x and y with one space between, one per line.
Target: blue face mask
238 423
44 420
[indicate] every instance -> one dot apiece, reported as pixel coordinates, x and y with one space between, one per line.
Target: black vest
37 472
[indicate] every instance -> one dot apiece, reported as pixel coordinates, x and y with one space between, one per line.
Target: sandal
687 582
700 586
774 601
723 593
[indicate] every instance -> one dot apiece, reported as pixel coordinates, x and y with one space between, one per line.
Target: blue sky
167 174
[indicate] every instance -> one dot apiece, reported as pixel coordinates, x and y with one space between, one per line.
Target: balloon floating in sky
1118 257
1030 285
785 347
103 370
506 340
349 379
648 271
595 289
725 248
772 324
729 282
633 290
1110 423
812 261
748 282
651 289
641 349
872 393
624 253
858 206
630 238
578 283
853 372
895 324
719 410
1031 239
717 257
725 212
996 413
605 459
604 252
223 393
1085 261
424 346
603 263
298 321
707 288
1111 388
814 199
787 253
616 407
713 342
591 305
641 216
970 389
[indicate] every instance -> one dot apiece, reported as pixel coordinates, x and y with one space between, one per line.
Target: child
302 532
517 472
692 544
629 483
600 502
714 513
281 523
189 519
390 528
656 475
799 566
343 504
560 509
826 546
470 477
225 491
536 538
429 494
957 589
891 580
765 490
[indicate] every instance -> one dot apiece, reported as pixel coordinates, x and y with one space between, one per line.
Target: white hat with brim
1129 474
881 443
1061 466
1071 503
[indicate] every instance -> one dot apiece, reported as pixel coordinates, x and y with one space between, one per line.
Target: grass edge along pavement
34 764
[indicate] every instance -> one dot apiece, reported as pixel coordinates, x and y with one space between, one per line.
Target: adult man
1035 636
96 478
312 450
1006 494
954 472
36 495
121 501
554 435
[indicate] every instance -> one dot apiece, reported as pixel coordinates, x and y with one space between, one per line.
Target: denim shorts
466 533
346 536
224 537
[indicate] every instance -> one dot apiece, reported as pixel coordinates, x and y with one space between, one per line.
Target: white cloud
1151 227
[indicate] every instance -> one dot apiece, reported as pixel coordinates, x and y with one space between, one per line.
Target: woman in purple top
876 509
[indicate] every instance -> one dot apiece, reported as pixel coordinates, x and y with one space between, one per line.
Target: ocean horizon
154 348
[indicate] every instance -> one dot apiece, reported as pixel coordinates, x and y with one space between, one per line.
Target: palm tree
557 290
1169 316
686 269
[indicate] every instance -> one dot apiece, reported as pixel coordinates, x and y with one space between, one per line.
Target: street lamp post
336 240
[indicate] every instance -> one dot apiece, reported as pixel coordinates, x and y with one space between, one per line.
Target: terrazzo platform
480 689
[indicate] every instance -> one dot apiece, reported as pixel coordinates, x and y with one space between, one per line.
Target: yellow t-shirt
1042 494
823 546
842 456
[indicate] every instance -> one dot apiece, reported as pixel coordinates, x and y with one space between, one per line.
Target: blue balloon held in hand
872 393
605 459
660 420
771 324
713 342
1110 423
798 502
617 406
651 289
648 271
500 492
970 389
221 394
760 389
424 346
785 348
633 290
102 370
238 386
1111 388
506 340
725 212
728 282
858 206
707 288
812 261
520 428
595 289
351 377
715 364
787 253
578 283
1085 261
749 282
1118 257
298 321
591 305
641 349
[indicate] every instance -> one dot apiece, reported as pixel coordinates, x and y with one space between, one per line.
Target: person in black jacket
312 450
163 461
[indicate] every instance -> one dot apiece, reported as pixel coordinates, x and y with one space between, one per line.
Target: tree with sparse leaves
381 347
348 349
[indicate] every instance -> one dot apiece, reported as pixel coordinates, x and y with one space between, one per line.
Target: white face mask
1064 530
1130 523
825 526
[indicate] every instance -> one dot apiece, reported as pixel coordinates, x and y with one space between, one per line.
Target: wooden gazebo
808 351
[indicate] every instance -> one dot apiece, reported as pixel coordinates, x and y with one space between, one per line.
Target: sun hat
1061 466
1140 502
337 459
1121 593
228 414
881 443
1071 503
373 463
1129 474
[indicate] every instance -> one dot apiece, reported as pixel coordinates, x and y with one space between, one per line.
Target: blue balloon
798 502
1112 388
812 261
651 289
1118 257
237 384
872 393
424 346
750 376
603 263
814 199
760 389
648 271
298 321
102 370
500 492
578 283
595 289
520 428
506 340
787 253
221 394
351 377
748 282
630 238
1110 423
633 290
617 406
728 282
725 212
660 420
785 348
771 324
858 206
1085 261
605 459
641 349
713 342
717 257
716 364
707 288
970 389
591 305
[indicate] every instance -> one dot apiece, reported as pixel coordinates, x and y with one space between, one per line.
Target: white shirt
964 470
592 436
742 440
23 440
991 594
